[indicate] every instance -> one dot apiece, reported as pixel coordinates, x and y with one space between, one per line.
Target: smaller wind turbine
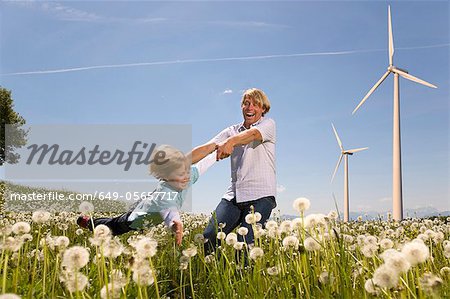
344 153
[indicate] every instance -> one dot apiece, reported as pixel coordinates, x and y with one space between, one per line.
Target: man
251 148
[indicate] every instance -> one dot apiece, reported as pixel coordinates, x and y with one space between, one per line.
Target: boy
175 175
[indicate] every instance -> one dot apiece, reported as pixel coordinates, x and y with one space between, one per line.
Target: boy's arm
172 220
199 152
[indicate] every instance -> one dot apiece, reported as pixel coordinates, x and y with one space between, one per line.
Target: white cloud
280 188
227 91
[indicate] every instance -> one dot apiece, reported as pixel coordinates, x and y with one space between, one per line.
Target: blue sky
188 62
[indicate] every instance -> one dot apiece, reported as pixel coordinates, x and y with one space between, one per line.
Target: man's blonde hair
174 159
259 97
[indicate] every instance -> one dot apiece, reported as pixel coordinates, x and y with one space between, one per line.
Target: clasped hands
224 149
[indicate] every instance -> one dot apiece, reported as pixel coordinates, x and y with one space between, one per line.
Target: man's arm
225 148
199 152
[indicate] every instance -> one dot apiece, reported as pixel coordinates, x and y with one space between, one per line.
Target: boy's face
179 179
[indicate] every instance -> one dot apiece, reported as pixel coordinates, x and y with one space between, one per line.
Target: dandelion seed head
190 252
311 244
370 287
275 270
416 252
231 239
143 276
146 247
86 208
256 253
221 235
40 216
301 204
291 242
75 258
20 228
385 277
243 231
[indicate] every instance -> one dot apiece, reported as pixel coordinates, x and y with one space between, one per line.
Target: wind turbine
397 200
344 153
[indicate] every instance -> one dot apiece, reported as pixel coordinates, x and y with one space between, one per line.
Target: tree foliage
17 135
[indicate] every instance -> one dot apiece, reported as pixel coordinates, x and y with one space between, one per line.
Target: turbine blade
391 38
337 166
414 79
337 138
355 150
371 91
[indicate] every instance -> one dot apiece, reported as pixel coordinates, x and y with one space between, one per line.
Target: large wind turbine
397 201
344 153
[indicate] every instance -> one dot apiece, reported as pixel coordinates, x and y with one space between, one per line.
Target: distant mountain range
413 213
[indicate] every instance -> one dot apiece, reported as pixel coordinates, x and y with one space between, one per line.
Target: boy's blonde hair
174 160
259 97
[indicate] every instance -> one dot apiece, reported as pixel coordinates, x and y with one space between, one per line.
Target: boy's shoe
83 221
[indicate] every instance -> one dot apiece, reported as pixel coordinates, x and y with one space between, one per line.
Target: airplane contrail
243 58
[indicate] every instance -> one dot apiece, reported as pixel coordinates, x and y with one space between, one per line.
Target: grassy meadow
46 255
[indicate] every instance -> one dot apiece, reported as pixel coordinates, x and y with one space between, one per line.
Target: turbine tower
344 153
397 200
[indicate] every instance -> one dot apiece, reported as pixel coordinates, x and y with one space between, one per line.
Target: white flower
301 204
113 248
143 276
315 220
430 282
9 296
385 277
20 228
333 215
40 216
386 243
113 293
79 232
221 235
252 218
75 281
286 226
238 245
86 208
445 272
61 242
369 250
416 252
75 258
243 231
275 270
291 242
231 239
324 278
256 253
396 260
146 247
311 244
102 234
190 252
370 287
199 239
447 251
271 225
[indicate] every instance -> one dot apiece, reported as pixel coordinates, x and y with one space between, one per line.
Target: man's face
251 112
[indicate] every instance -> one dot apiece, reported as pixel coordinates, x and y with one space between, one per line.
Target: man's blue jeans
233 214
